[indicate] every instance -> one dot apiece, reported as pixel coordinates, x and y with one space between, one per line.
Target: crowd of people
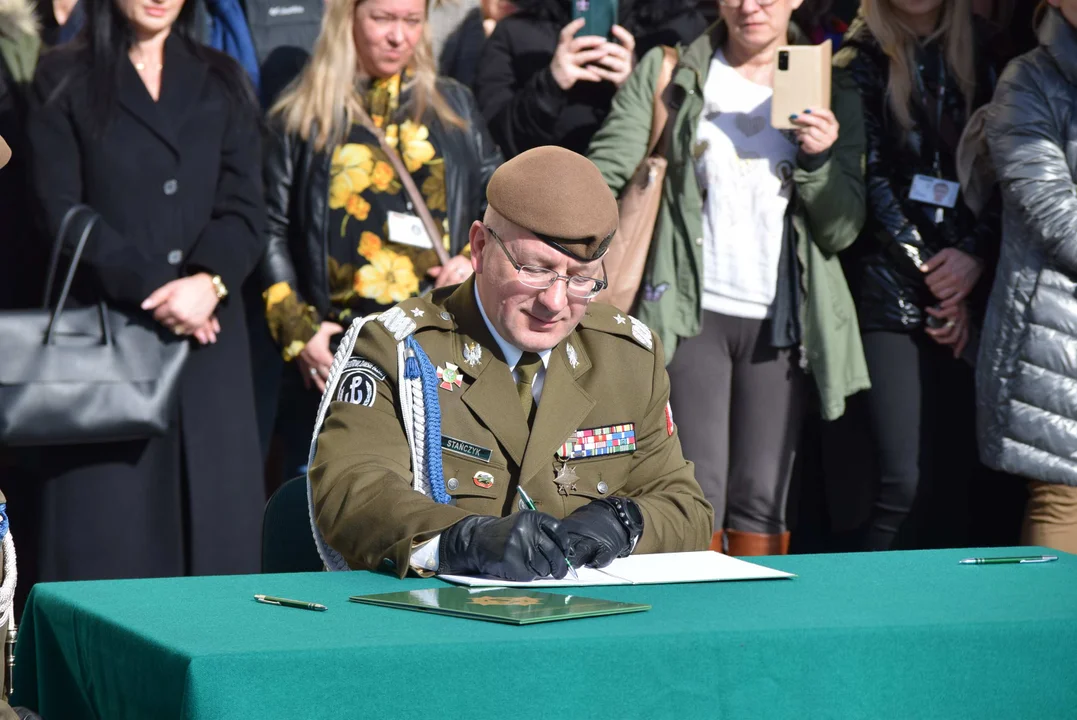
260 173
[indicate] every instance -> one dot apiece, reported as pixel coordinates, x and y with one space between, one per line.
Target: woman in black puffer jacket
915 270
529 97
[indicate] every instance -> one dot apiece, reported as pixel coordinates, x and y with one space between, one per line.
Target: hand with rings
315 358
456 271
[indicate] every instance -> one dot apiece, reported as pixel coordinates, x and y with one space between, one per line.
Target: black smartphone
599 16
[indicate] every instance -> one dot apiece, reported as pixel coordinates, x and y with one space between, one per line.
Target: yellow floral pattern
366 270
389 278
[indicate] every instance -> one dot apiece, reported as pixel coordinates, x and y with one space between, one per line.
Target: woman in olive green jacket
744 456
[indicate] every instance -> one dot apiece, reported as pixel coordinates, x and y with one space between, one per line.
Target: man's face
941 191
529 318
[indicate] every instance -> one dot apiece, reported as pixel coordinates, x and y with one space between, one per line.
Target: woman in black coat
538 83
160 136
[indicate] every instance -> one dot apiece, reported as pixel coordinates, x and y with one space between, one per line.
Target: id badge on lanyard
935 190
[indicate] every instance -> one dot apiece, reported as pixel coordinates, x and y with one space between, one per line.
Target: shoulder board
608 319
414 314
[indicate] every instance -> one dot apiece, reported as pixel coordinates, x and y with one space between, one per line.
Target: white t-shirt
745 169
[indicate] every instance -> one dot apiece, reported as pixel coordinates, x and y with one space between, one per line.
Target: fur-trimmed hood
17 18
635 15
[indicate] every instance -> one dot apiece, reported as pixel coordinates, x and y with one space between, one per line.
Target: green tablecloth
884 635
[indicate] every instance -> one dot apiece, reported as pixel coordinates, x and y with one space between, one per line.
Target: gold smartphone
801 81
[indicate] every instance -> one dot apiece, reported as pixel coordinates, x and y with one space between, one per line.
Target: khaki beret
559 196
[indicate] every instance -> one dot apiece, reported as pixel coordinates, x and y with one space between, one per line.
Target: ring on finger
314 372
949 324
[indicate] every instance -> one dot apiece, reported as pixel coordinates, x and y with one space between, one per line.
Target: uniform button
452 484
175 257
388 563
699 241
603 488
446 316
170 187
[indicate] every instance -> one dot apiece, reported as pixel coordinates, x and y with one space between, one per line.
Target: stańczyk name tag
465 449
408 230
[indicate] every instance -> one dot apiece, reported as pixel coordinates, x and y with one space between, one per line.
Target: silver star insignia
418 312
573 358
620 319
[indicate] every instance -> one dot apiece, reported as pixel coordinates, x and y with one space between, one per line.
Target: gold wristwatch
218 287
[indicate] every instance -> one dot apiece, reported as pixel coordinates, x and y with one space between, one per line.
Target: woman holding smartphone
1025 375
921 69
743 282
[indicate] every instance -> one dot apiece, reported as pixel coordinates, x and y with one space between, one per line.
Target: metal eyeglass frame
597 285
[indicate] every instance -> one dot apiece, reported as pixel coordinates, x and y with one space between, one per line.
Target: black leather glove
521 547
597 535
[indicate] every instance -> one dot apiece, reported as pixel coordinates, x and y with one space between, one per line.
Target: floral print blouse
367 272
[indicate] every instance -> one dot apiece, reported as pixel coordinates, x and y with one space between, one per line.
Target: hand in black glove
596 537
521 547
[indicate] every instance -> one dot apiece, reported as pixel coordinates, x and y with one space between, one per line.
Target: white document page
656 569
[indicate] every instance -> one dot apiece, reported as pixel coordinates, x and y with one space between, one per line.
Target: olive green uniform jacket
600 376
828 212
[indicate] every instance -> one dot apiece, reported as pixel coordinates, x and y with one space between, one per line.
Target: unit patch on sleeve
358 382
599 441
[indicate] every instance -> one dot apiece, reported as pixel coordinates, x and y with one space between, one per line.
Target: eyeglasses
543 278
738 3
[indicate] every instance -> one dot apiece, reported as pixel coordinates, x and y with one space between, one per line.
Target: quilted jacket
1027 370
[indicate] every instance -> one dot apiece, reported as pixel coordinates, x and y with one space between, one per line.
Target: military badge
619 318
573 358
596 442
449 376
418 312
358 382
484 479
472 354
670 427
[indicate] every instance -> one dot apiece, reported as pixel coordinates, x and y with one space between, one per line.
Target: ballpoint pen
285 602
1008 560
531 506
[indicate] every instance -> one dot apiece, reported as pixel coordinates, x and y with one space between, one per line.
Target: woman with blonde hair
345 236
921 69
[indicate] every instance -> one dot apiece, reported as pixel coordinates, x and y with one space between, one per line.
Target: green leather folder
514 606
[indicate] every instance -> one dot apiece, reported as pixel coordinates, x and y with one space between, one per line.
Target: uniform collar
510 352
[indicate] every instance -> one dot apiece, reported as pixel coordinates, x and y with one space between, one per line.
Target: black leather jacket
882 267
297 194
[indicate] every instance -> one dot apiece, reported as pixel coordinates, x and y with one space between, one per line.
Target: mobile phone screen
599 15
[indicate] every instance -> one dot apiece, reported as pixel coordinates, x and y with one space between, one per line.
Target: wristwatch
631 518
218 287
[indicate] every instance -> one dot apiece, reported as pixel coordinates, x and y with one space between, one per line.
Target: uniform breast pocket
584 481
474 485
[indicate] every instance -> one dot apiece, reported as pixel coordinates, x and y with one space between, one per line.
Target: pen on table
1008 560
285 602
531 505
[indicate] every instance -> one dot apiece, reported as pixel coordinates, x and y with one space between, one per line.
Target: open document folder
660 568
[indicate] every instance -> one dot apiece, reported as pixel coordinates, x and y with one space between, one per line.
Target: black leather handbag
84 375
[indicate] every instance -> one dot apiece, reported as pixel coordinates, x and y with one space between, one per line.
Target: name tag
465 449
934 191
408 230
595 442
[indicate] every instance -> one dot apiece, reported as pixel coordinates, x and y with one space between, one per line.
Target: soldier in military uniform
537 387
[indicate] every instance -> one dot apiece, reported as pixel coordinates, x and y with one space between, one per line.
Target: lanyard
940 101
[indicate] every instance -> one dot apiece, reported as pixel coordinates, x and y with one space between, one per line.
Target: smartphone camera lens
783 60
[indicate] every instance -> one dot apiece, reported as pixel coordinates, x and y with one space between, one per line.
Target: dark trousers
922 411
738 404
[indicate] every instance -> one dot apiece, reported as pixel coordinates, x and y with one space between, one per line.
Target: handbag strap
86 230
57 249
413 192
660 117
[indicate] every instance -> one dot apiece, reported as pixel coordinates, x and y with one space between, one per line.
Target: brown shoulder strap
660 114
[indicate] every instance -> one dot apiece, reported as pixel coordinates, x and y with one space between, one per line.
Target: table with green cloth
880 635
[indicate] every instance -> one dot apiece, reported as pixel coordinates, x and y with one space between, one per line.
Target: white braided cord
412 407
7 589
